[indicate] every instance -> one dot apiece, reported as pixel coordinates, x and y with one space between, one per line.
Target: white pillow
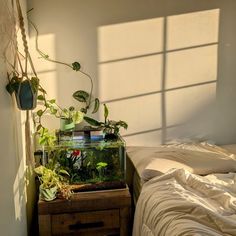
202 159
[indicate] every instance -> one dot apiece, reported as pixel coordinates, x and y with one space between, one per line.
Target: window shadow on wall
157 64
156 73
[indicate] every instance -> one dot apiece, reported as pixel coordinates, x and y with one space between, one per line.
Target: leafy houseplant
68 117
51 182
20 82
110 128
26 91
46 138
67 165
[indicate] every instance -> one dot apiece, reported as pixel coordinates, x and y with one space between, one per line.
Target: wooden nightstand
87 213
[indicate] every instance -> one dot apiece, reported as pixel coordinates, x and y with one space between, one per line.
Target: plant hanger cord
25 44
11 45
28 144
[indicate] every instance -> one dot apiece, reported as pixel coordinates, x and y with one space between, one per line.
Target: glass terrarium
92 162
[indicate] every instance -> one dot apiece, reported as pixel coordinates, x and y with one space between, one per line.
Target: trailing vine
80 95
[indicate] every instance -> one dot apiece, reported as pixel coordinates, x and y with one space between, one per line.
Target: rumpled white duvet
179 203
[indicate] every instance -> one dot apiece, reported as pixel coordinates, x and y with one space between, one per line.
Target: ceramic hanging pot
26 96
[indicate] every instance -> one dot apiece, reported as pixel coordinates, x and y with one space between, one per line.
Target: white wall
13 197
164 66
12 168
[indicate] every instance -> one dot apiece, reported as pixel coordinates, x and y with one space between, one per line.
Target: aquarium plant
101 167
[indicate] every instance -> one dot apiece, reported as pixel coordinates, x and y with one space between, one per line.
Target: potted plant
111 128
25 89
51 182
21 83
69 117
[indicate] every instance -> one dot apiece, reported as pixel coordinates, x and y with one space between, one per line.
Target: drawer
85 222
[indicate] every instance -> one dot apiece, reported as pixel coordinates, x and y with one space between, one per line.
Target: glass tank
92 162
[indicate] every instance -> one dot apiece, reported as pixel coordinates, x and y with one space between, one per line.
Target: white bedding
179 203
149 161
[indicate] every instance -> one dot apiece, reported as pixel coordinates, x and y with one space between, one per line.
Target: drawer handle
79 225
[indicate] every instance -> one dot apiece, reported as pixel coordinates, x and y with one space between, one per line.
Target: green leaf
71 108
40 170
65 111
106 112
52 101
42 90
76 66
41 97
35 83
15 78
92 121
77 117
81 96
116 130
102 164
13 86
64 172
96 105
53 110
122 124
39 112
10 89
39 127
84 110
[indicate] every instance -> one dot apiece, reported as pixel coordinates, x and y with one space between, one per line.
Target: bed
184 189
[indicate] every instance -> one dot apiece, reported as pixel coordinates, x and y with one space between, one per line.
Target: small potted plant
111 128
25 89
69 117
24 85
51 182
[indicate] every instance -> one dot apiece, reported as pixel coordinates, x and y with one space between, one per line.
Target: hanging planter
20 79
26 92
26 96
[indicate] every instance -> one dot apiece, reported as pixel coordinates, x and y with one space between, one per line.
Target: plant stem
46 57
25 44
91 90
42 54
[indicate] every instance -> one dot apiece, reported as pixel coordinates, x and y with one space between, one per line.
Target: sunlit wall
13 199
165 67
158 72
